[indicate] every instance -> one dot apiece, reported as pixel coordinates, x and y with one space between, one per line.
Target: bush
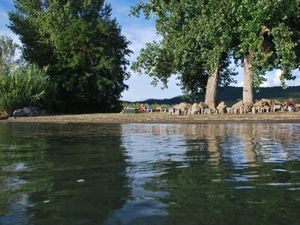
26 86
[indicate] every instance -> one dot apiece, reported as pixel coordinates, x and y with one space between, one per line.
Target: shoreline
163 118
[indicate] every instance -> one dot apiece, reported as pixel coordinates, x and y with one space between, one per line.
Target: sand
158 118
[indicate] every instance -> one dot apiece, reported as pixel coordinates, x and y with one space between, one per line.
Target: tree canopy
8 52
269 30
267 39
202 35
82 47
193 43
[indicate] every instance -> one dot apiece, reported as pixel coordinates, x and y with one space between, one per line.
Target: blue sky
139 31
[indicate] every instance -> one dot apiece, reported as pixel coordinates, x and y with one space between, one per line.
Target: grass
26 86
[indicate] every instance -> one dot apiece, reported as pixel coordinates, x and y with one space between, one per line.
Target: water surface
210 174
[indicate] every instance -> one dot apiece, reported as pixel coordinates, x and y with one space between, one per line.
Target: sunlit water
210 174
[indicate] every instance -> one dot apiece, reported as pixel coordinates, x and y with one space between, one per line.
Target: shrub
26 86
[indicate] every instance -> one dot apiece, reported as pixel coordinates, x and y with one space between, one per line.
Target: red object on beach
290 102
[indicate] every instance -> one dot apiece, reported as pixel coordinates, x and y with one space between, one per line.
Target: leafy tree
267 34
200 37
8 50
195 45
82 47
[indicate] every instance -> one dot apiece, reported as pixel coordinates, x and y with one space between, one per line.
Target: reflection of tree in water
196 199
215 189
15 156
258 141
55 157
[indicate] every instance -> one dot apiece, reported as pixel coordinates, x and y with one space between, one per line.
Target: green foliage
82 47
137 105
156 62
130 105
26 86
8 51
155 106
195 41
198 36
269 31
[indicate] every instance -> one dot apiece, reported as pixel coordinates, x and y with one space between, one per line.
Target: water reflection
226 173
64 176
214 173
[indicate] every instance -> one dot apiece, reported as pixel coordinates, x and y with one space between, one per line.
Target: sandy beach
158 118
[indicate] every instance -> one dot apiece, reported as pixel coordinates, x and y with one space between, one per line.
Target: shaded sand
159 118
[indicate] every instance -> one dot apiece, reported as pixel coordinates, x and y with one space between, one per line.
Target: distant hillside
232 94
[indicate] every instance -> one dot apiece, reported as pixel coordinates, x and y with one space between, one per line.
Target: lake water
210 174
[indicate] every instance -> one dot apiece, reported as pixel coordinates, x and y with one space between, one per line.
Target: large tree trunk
212 88
248 78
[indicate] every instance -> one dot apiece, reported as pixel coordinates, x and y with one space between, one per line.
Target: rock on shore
29 111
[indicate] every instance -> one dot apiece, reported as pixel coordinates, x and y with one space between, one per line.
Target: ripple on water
150 174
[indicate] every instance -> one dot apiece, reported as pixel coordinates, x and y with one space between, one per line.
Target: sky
140 31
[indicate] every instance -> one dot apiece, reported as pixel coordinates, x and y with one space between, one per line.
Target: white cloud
139 32
273 80
5 31
139 36
295 82
241 84
141 89
3 15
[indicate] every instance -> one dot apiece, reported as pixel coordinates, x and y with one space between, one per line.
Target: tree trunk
212 88
248 78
